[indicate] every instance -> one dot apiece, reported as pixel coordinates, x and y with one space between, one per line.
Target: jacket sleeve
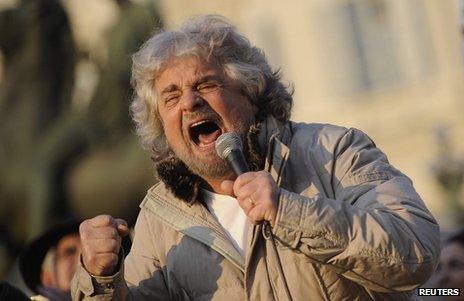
139 277
375 229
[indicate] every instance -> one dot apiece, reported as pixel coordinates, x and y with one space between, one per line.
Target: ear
47 278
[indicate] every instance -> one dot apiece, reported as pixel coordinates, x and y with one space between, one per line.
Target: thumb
227 187
122 227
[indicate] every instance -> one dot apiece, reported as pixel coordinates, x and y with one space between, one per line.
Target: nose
191 100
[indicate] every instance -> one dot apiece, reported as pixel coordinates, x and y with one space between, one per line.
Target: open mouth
205 132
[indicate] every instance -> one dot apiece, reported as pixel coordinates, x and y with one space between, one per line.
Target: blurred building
392 68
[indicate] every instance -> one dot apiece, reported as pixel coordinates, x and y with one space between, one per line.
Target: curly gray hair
211 37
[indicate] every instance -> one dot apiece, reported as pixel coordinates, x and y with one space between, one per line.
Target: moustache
202 113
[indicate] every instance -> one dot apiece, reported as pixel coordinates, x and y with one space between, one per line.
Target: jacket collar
192 220
275 138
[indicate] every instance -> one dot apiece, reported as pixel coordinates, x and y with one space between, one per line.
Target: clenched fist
256 193
101 241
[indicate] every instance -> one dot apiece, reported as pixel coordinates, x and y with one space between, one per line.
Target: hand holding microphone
256 192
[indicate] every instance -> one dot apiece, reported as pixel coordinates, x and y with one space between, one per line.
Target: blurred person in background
322 215
450 272
35 94
45 139
48 263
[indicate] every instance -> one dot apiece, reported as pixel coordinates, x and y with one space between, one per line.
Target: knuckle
113 259
83 226
106 219
240 194
263 175
90 261
255 215
114 245
110 259
84 235
113 233
120 221
254 222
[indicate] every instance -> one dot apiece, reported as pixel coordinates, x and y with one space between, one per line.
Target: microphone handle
237 162
239 166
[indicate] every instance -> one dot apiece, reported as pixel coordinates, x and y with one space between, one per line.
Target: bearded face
197 103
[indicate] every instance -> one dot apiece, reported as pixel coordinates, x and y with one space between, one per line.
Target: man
321 216
48 263
450 272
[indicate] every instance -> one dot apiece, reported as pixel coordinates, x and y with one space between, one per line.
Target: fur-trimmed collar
185 185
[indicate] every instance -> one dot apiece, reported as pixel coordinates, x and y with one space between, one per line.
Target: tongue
207 138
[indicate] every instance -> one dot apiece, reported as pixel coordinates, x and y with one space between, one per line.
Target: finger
246 204
244 179
101 233
102 221
97 246
120 221
256 215
227 187
105 261
101 264
122 227
248 190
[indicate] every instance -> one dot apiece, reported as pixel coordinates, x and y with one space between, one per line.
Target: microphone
229 147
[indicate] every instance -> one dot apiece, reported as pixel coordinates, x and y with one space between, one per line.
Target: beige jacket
349 227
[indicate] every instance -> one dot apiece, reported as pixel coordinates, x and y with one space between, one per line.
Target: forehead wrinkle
180 73
170 88
198 78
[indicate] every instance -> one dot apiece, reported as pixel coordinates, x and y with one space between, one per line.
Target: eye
208 87
171 99
67 252
456 265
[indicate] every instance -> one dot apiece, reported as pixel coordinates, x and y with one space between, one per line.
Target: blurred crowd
58 145
57 149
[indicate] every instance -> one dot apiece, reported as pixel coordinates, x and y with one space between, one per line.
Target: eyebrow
206 78
173 87
170 88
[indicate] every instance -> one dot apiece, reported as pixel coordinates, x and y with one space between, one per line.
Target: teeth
198 123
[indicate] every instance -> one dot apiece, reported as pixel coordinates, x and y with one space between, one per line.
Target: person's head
205 72
451 267
60 263
48 263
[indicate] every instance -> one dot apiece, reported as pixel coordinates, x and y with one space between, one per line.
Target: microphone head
228 142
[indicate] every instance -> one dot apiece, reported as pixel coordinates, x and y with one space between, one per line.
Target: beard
211 167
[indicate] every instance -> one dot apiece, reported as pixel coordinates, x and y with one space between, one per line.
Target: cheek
62 270
172 127
236 105
459 278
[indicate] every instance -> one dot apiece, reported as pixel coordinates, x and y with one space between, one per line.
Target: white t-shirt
230 215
